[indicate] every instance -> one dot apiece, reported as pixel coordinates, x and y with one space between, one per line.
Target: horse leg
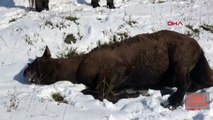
46 4
110 4
39 5
108 80
183 61
183 82
95 3
89 91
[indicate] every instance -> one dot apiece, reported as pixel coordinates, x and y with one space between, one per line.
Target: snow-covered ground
24 35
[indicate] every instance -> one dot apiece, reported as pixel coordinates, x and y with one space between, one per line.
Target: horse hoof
110 6
94 5
170 106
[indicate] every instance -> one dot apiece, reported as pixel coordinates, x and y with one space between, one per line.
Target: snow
24 35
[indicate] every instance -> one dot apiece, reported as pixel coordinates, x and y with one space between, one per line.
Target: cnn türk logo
197 101
170 23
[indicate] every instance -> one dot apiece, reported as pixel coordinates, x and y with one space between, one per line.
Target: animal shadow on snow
19 76
7 3
10 4
199 116
83 2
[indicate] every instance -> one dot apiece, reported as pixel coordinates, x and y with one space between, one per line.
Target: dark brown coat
156 60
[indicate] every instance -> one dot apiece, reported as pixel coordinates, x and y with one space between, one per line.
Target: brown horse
156 60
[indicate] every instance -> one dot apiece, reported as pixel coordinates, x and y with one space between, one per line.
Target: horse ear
47 53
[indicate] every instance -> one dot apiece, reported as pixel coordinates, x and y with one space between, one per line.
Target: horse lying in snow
156 60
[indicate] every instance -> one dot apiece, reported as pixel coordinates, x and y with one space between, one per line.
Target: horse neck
76 61
69 67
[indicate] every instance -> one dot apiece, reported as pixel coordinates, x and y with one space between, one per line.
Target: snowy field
24 35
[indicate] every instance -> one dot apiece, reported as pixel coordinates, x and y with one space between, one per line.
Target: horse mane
127 42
